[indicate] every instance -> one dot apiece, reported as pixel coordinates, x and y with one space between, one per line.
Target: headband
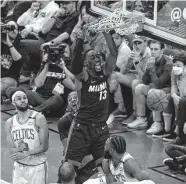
15 94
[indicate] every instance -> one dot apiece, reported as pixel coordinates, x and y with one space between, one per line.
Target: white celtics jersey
119 173
27 136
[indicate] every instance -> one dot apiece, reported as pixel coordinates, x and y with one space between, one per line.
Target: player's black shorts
86 140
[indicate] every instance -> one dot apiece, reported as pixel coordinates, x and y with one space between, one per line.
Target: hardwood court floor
147 151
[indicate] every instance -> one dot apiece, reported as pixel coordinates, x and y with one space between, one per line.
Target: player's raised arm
112 58
77 61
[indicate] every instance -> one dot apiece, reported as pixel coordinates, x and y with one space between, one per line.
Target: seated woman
178 94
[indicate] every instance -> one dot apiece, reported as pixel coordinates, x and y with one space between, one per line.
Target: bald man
67 173
27 137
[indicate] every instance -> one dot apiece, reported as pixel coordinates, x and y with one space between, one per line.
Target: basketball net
120 22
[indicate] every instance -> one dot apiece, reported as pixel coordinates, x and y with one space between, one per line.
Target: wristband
11 46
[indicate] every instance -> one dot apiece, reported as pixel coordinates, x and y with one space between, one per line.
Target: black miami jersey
94 100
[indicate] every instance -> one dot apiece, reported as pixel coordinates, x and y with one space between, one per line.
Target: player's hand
17 156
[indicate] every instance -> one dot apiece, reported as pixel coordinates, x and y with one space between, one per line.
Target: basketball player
27 136
91 131
119 166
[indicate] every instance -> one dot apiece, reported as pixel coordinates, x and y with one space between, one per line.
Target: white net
118 21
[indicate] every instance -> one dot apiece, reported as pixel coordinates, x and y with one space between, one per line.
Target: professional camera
55 52
5 28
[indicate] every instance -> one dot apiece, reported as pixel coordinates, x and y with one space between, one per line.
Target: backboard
164 20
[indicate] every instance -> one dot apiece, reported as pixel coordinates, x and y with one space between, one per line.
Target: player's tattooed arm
11 145
108 175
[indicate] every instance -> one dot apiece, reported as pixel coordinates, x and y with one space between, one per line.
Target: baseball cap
139 38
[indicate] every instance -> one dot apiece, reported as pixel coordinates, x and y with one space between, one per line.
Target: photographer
51 83
11 58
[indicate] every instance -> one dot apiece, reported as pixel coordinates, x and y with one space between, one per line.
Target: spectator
66 173
177 160
132 70
92 40
15 10
57 29
52 86
178 94
157 75
36 16
11 57
65 122
123 55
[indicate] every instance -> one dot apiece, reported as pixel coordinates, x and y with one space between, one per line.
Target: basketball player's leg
39 174
141 92
78 148
99 137
30 174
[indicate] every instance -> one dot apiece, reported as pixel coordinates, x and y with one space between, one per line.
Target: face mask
177 70
107 155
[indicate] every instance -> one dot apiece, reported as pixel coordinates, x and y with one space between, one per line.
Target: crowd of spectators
32 47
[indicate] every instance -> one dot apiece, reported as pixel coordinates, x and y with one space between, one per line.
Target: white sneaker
130 119
155 128
140 122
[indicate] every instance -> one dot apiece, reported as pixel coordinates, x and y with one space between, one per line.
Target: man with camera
11 57
57 29
51 83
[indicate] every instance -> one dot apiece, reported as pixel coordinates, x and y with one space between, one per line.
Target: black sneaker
170 137
119 114
170 163
161 134
179 140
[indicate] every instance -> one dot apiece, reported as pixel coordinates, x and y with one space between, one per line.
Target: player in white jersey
119 166
27 137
